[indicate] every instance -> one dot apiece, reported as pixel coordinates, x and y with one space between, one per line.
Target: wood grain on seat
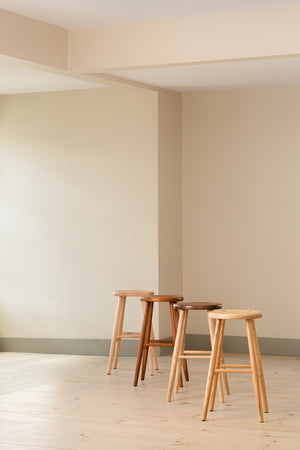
235 314
202 306
162 298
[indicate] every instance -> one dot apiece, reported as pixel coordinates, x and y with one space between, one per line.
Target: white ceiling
16 78
86 13
222 75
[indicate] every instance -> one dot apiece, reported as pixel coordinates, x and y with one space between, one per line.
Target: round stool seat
162 298
234 314
128 293
202 306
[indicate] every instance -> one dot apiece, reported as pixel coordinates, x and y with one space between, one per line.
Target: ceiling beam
214 37
33 40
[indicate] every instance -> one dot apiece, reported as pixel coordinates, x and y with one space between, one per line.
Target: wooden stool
146 340
180 354
216 366
119 334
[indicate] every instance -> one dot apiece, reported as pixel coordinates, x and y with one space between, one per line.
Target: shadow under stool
119 334
146 341
216 366
180 354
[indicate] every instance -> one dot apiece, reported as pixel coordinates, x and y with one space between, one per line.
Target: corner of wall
169 200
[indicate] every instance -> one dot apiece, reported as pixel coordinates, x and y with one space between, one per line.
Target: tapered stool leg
211 326
141 345
224 375
175 356
120 330
147 341
174 321
153 350
254 369
115 334
217 366
151 354
261 377
211 370
178 379
185 366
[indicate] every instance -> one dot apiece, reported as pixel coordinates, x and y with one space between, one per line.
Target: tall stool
216 366
180 354
146 341
119 334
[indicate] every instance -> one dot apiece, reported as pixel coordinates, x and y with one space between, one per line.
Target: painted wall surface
78 208
169 201
241 213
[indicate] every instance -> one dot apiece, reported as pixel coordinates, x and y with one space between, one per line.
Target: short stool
180 354
216 366
118 332
146 341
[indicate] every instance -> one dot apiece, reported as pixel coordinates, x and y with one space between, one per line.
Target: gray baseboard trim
239 344
100 347
89 347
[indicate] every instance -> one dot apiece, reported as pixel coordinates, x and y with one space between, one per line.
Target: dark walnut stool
146 341
119 334
216 366
180 354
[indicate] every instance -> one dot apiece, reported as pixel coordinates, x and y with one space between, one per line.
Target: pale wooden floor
68 402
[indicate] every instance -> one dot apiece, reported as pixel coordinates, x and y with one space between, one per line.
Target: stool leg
261 377
141 345
211 370
211 324
153 350
120 329
218 361
174 329
114 335
150 350
175 355
185 367
224 375
254 369
178 380
147 340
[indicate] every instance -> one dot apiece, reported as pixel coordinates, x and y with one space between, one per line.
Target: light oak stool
119 334
180 354
216 366
146 341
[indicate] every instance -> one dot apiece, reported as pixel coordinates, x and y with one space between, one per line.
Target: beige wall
241 210
90 201
169 200
78 207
